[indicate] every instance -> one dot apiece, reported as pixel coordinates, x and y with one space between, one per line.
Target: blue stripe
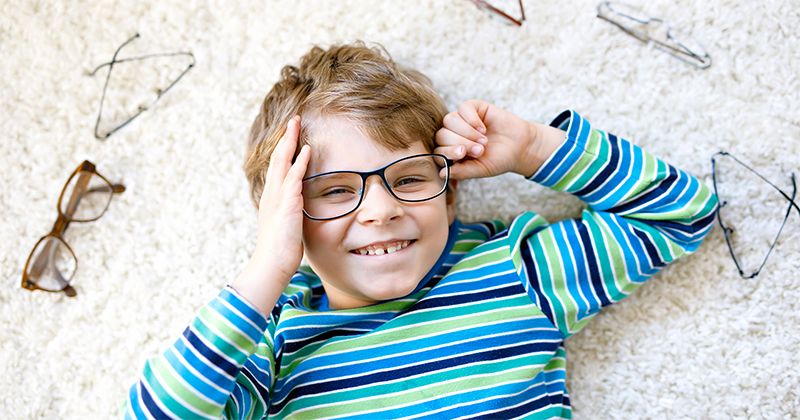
375 378
200 365
570 275
583 275
248 329
417 359
356 355
635 258
533 279
150 403
566 155
654 197
440 302
210 354
593 262
194 381
245 308
608 178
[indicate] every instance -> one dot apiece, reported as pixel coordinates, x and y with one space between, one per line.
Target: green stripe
186 393
431 385
160 392
226 327
513 308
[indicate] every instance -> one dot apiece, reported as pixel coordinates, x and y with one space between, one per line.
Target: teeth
390 248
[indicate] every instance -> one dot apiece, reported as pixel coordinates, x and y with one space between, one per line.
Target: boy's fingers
455 122
450 141
281 157
294 177
470 111
452 152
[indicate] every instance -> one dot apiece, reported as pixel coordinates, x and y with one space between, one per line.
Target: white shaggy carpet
696 342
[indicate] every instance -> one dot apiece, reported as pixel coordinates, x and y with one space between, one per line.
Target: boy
402 310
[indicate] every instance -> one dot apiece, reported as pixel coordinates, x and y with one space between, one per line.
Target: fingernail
482 129
483 140
477 149
460 150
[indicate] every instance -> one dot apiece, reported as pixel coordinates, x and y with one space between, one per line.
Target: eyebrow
405 165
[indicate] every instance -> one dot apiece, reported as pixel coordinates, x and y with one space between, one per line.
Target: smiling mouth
387 249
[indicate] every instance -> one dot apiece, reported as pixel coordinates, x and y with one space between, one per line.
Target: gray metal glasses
655 31
416 178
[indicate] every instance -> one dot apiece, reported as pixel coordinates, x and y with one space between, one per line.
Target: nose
378 205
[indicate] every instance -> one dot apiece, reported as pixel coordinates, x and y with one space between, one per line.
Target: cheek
320 237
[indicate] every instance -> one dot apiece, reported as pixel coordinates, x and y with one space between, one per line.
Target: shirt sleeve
642 215
221 366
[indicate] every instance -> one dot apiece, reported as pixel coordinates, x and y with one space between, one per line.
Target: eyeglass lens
86 197
335 194
52 264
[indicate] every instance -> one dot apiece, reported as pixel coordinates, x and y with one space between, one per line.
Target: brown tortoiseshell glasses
84 198
497 12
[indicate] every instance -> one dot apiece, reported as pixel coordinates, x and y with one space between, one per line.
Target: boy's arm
222 364
642 215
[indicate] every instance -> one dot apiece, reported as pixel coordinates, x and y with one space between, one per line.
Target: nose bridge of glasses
376 179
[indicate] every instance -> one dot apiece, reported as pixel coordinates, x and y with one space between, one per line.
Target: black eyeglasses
723 216
141 108
416 178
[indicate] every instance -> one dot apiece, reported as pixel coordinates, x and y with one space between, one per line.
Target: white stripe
416 390
187 385
392 355
406 353
210 325
201 357
241 315
188 366
157 398
212 348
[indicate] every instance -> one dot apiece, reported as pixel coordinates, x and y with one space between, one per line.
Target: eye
336 191
407 181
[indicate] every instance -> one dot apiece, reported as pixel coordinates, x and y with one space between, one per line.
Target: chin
393 290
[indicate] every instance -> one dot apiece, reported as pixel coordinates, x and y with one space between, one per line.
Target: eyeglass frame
159 92
381 172
61 224
726 230
483 4
682 52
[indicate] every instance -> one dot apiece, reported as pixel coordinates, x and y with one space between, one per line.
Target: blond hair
394 105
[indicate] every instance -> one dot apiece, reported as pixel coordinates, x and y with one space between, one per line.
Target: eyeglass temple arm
143 57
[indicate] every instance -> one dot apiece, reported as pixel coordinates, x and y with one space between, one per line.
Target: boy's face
352 280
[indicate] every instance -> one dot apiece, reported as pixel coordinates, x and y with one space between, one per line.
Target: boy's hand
485 140
279 247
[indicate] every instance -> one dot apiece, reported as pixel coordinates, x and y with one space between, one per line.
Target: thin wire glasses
85 197
496 11
331 195
654 30
738 245
159 91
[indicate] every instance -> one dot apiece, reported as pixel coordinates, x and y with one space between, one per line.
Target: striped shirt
483 333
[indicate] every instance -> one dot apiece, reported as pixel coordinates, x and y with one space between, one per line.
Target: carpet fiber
697 341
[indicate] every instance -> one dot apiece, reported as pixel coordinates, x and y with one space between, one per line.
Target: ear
451 196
